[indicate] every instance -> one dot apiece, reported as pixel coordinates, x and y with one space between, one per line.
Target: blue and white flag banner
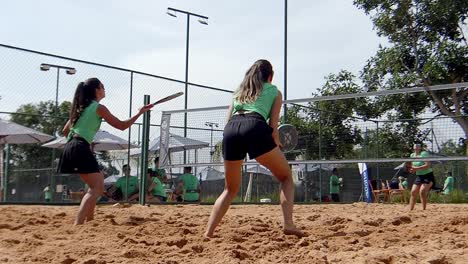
365 182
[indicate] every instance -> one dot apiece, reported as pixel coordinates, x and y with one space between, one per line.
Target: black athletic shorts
77 157
247 133
425 179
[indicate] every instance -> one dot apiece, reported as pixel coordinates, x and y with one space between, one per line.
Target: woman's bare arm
66 128
274 116
103 112
426 165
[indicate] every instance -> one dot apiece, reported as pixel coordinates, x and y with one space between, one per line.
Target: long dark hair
252 85
85 93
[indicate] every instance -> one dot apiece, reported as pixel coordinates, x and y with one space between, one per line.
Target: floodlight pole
174 12
70 71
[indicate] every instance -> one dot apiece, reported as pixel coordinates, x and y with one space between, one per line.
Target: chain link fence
39 97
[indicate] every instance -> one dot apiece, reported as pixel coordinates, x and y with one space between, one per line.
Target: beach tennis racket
288 137
168 98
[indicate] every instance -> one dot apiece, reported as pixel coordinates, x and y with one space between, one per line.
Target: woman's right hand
145 108
275 135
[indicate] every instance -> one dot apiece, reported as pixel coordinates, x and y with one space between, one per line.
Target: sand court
350 233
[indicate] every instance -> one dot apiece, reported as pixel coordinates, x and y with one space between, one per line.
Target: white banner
164 155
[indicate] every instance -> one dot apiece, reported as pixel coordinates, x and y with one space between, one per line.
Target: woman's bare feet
293 230
208 236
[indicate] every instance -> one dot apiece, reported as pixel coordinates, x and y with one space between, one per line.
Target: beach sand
348 233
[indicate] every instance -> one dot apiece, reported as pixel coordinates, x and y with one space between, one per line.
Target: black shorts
77 157
425 179
247 133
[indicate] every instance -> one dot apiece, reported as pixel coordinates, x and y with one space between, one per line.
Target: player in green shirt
121 186
252 128
47 193
424 177
86 114
449 183
159 172
335 186
156 189
403 183
188 187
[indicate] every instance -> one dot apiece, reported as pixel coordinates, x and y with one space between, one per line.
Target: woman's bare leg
414 194
425 188
232 170
95 182
278 165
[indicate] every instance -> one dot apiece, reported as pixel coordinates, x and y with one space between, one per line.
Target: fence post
144 151
129 133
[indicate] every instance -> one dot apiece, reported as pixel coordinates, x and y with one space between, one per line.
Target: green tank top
423 154
88 123
263 103
159 188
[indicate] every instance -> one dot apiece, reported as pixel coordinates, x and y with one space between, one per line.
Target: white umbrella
102 141
12 133
259 170
111 179
211 174
176 143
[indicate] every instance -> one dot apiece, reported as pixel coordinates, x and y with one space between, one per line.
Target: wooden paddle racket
168 98
288 137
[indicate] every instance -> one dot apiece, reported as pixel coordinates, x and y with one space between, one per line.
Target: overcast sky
324 36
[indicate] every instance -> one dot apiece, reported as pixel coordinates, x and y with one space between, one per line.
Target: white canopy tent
211 174
176 144
103 141
13 133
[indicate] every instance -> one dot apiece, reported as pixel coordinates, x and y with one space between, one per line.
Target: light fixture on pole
204 21
69 71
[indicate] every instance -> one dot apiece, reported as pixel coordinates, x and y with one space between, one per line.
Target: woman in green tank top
85 119
424 177
248 132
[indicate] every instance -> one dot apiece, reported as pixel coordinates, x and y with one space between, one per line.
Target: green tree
452 148
427 47
389 141
44 118
327 129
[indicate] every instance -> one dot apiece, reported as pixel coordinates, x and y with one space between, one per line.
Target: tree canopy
427 46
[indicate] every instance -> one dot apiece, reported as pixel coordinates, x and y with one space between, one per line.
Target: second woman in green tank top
85 119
